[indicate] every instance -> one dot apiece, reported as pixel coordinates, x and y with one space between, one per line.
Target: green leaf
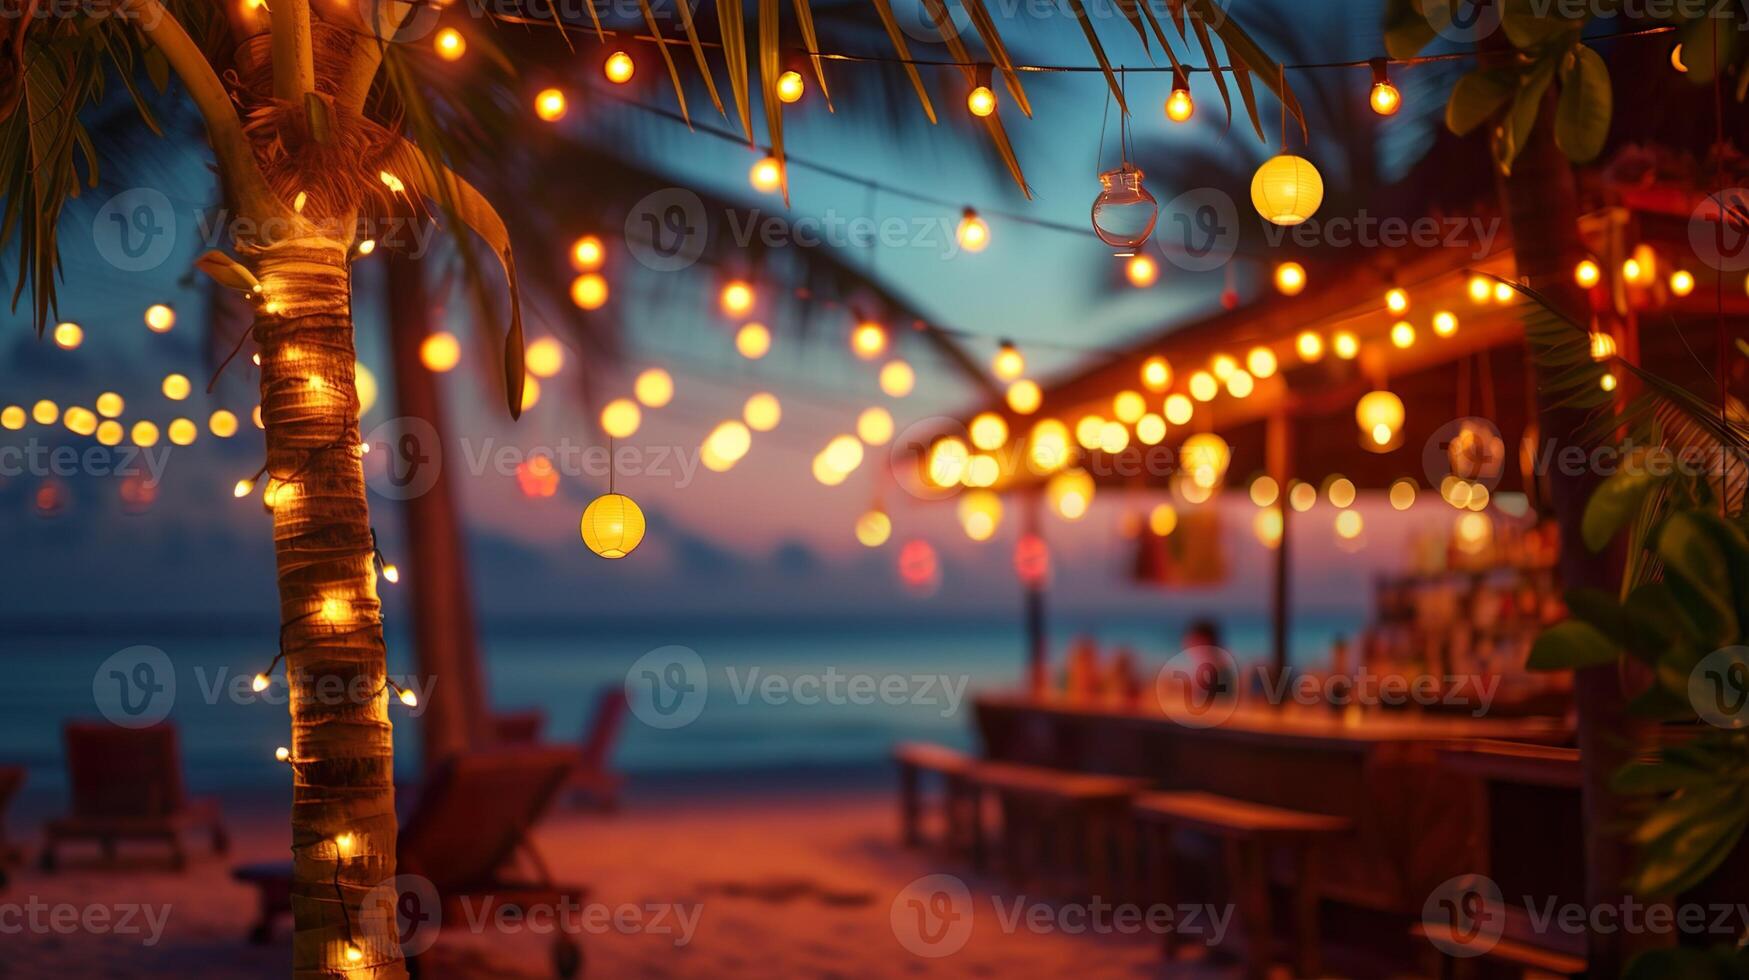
1527 28
1614 503
1521 120
1702 36
1599 609
1571 645
1656 777
1694 554
1583 111
1407 31
1648 613
1475 97
1680 860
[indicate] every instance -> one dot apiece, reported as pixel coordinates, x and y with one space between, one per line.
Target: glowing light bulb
762 412
243 488
222 424
144 434
391 573
1503 292
1156 373
1261 362
1608 382
974 232
897 379
868 340
175 387
1480 289
160 318
766 175
408 698
109 405
1240 384
620 418
874 528
1602 346
874 426
1681 282
587 253
440 352
654 387
1024 397
450 44
1309 346
1445 323
69 335
549 105
12 417
1403 334
1222 366
45 412
1008 364
1290 278
1397 300
1346 345
1179 105
1586 273
1203 386
260 683
353 953
988 431
1385 99
366 247
545 357
790 86
282 753
736 298
753 340
1179 409
182 432
589 291
619 68
981 101
1141 271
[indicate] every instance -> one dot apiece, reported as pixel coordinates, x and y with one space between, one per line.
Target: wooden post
1276 461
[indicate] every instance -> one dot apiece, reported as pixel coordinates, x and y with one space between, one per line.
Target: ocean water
769 704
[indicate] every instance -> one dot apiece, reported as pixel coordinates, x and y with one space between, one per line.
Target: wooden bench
1084 815
962 827
1247 831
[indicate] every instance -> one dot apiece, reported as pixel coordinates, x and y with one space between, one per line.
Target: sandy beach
806 884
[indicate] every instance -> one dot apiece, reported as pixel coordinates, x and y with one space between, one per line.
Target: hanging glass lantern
1124 213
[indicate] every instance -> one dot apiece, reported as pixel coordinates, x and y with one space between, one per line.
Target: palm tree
303 106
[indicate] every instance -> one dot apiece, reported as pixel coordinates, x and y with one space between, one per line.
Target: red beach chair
126 783
470 824
594 780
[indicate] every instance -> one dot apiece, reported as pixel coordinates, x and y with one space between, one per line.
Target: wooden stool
962 824
1081 818
1247 831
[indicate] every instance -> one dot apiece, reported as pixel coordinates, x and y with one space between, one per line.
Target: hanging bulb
1141 271
737 298
1290 278
353 953
619 67
766 175
1385 98
790 86
549 105
408 698
1179 105
1586 273
1397 300
1008 364
391 573
981 101
243 488
868 340
260 683
1124 212
973 233
282 753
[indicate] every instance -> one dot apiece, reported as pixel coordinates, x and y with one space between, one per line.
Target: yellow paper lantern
612 525
1287 189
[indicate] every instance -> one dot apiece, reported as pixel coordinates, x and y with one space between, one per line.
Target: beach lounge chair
126 784
521 727
469 825
11 778
594 781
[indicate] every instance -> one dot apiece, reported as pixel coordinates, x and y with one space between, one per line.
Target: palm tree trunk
444 639
1542 206
343 804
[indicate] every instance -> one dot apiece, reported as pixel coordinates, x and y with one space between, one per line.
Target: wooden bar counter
1413 819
